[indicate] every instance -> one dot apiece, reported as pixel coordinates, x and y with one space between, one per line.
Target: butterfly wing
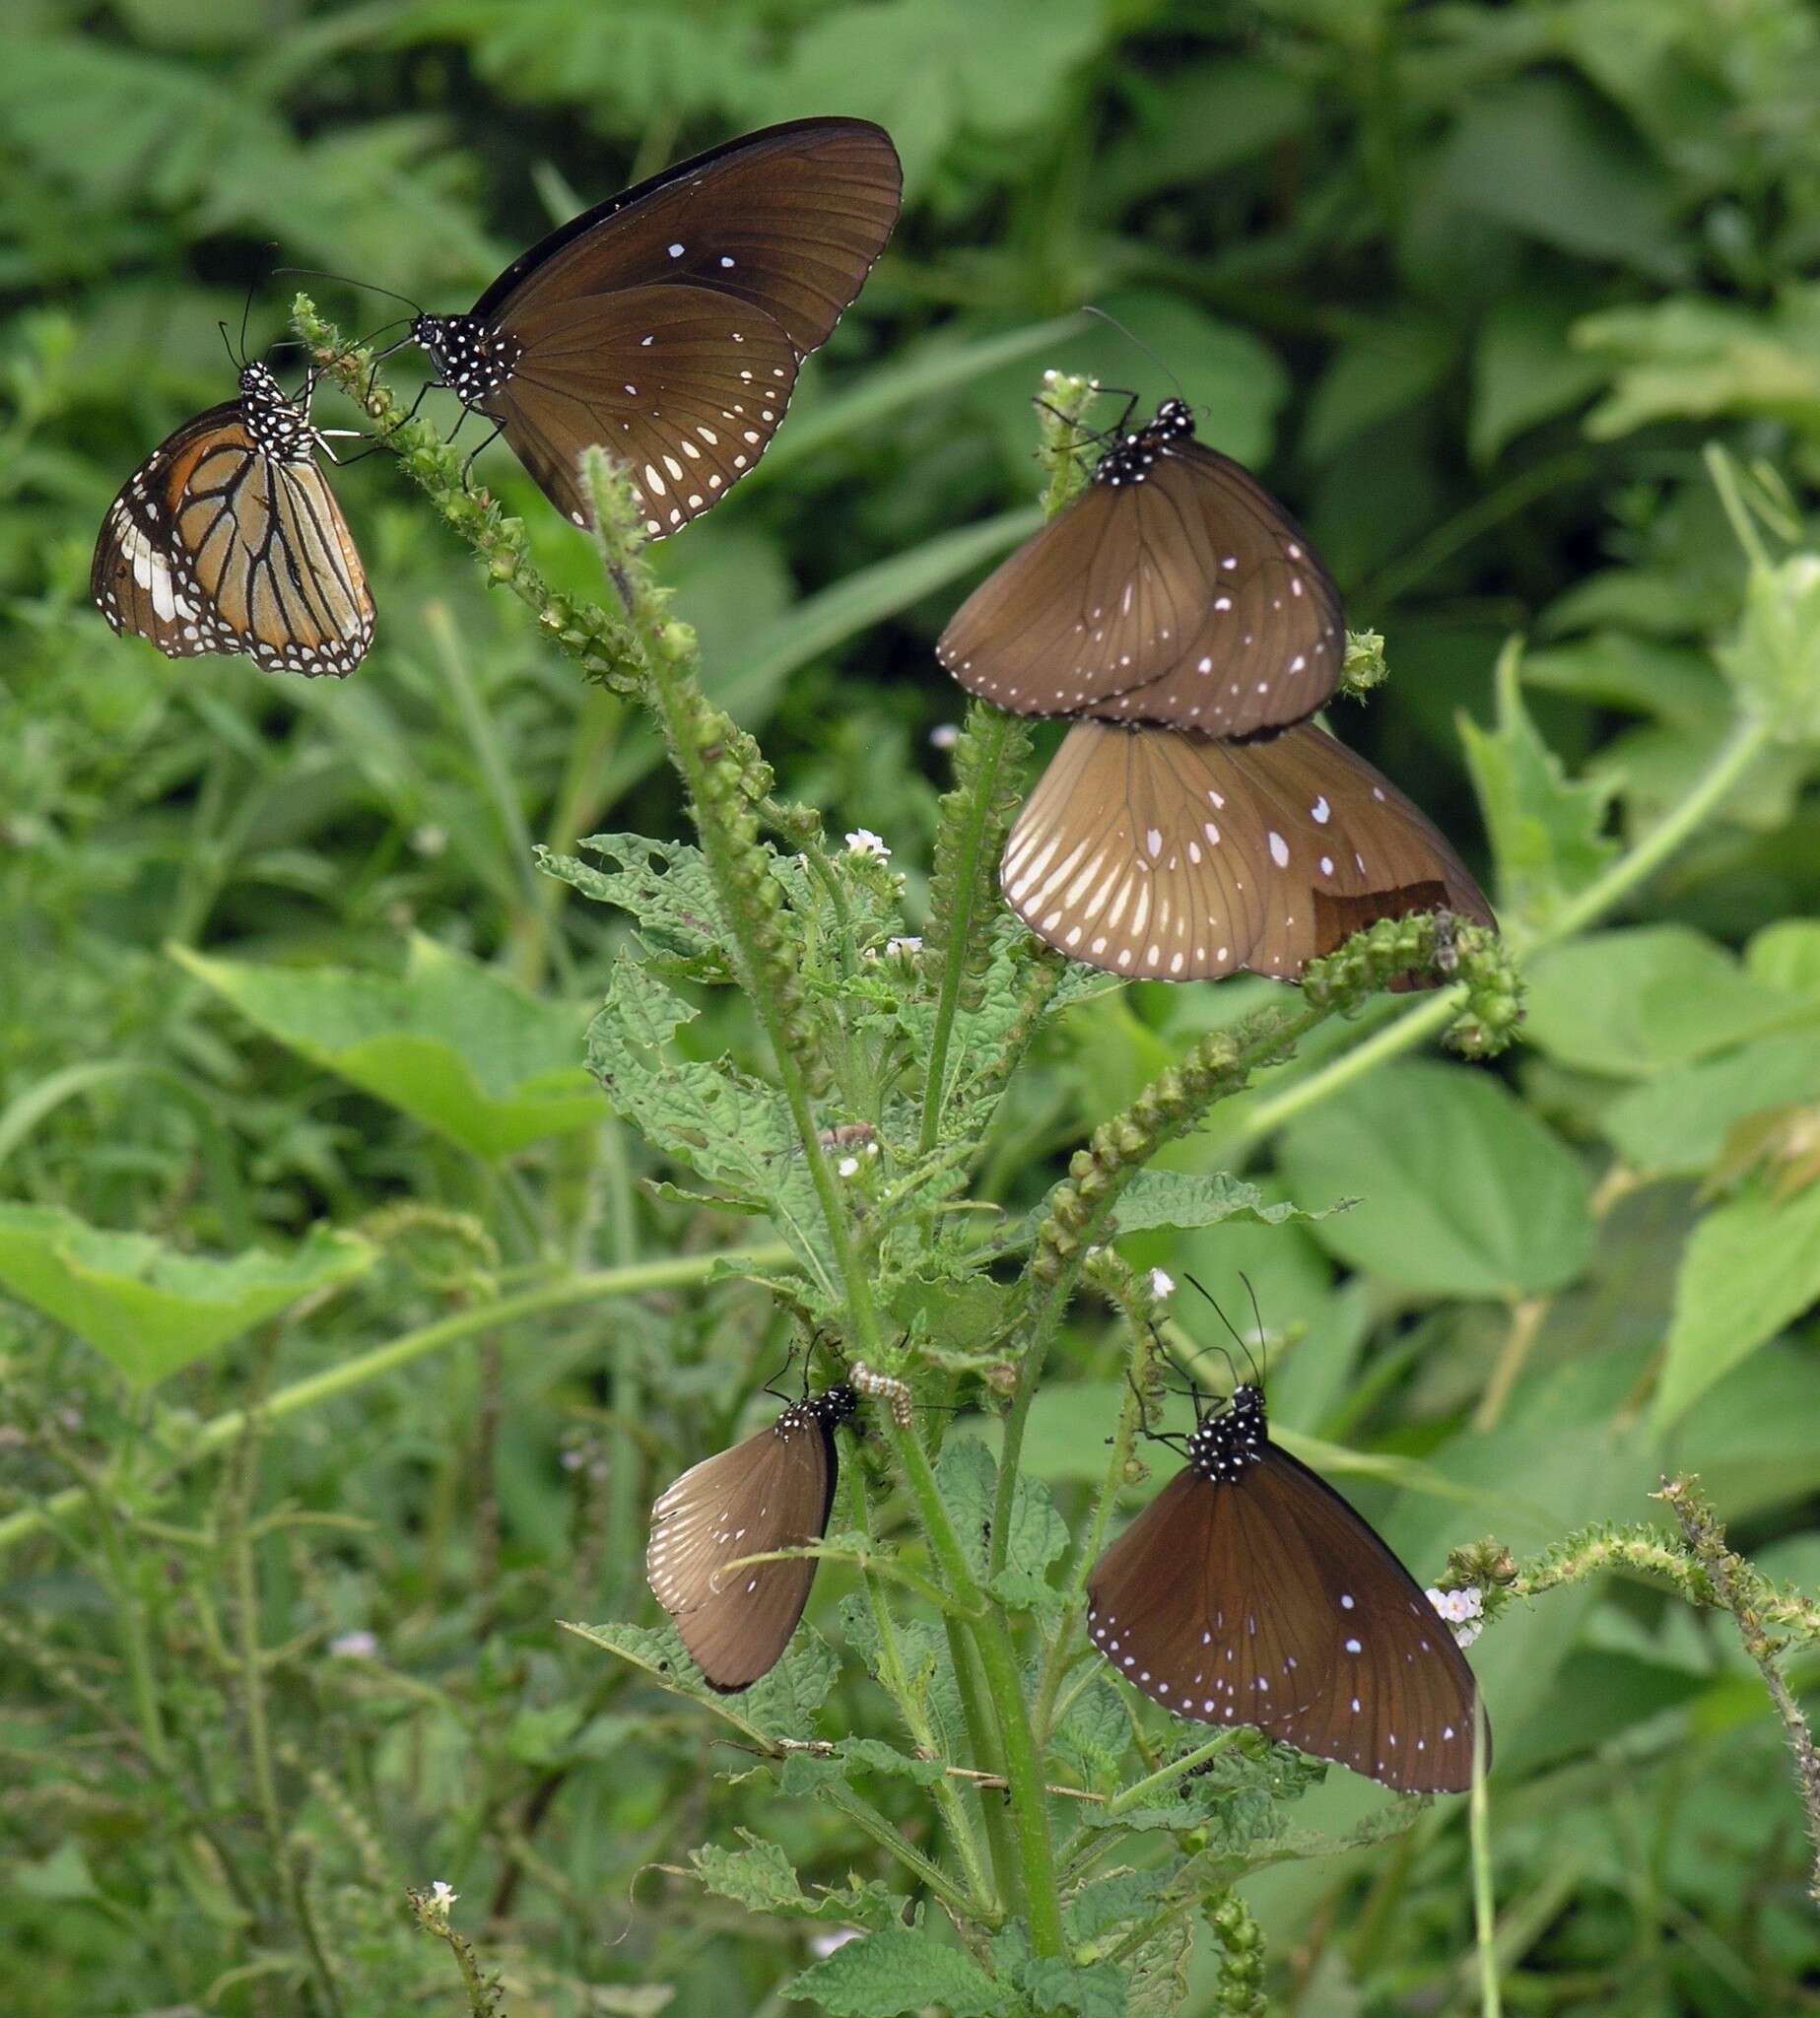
684 386
1187 598
214 546
788 220
774 1491
1268 1601
1169 856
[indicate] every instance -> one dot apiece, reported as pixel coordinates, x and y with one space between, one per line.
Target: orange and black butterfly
227 539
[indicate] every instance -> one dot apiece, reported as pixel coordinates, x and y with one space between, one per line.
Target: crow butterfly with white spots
1162 854
227 538
772 1492
1249 1592
1173 589
668 323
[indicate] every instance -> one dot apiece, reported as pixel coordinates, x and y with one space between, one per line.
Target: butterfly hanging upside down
1193 822
229 539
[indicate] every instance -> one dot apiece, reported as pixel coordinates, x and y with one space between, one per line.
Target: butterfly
668 323
1167 855
228 538
1173 589
1249 1592
772 1492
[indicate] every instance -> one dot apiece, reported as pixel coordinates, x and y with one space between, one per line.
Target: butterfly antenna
771 1385
228 344
1138 342
1257 1318
346 281
1238 1336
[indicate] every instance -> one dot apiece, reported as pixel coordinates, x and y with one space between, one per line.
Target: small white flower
848 1166
442 1898
428 840
1161 1285
945 735
1464 1636
904 946
836 1937
356 1646
1472 1603
872 1148
863 842
1442 1601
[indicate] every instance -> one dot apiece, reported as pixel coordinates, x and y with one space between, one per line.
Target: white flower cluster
1463 1610
850 1165
863 842
1160 1284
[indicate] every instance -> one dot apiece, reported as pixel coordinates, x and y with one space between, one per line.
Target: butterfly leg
486 443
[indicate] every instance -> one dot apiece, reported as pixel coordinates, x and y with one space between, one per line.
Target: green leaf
1774 662
781 1706
1094 1735
1108 1902
1523 371
1544 830
1373 377
1642 998
1038 1534
150 1308
1676 1123
1691 357
1197 120
1751 1267
762 1879
451 1043
1095 1991
897 1970
1179 1198
1158 1972
662 885
1787 954
1465 1192
726 1126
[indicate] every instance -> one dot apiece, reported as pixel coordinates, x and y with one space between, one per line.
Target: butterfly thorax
471 359
825 1411
1223 1447
1131 457
275 426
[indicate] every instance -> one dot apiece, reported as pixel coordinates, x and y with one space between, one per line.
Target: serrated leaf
1159 1972
1094 1990
783 1705
1038 1535
1181 1198
1545 829
897 1971
762 1878
1464 1191
724 1125
1750 1267
1108 1902
1094 1735
150 1308
662 885
451 1043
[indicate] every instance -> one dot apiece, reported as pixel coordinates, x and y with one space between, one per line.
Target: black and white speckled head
1227 1442
1132 456
277 426
472 360
825 1411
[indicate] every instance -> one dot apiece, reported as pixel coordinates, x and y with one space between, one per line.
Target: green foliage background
1474 286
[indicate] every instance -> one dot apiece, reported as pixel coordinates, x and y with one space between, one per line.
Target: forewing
1267 644
684 386
771 1491
1395 1696
1127 859
787 219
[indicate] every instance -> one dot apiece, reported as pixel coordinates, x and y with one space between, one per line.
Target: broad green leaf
1675 1124
1376 375
762 1878
781 1705
1642 998
149 1307
1751 1440
895 1972
1179 1198
451 1043
1157 1974
1689 358
1774 662
1108 1902
1096 1989
725 1125
1094 1735
1038 1534
1194 120
663 886
1787 954
1752 1265
1544 829
1523 371
1464 1191
1544 158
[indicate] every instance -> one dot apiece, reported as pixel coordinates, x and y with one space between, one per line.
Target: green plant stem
988 1756
1484 1902
867 1818
343 1379
998 1662
1141 1790
994 729
250 1661
1428 1018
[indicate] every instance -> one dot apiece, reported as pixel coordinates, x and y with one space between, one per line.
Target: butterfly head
278 429
1132 456
1228 1441
472 360
825 1411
